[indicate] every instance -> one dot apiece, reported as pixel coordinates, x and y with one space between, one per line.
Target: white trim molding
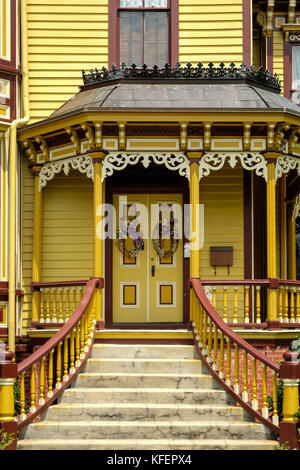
250 161
117 161
82 163
286 163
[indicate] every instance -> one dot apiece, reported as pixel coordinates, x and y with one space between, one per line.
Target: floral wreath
165 229
130 229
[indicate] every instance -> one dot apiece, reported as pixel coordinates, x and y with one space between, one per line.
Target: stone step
140 380
146 412
157 430
144 351
147 444
147 366
144 395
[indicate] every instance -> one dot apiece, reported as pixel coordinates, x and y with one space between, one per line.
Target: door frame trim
110 190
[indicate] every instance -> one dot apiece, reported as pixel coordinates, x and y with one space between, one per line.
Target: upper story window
143 32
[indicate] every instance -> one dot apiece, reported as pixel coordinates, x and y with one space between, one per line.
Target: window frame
114 30
288 67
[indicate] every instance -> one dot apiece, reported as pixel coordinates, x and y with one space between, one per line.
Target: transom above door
148 259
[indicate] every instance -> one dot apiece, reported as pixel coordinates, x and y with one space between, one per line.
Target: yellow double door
148 262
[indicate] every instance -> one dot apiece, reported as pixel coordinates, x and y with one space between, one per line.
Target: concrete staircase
145 397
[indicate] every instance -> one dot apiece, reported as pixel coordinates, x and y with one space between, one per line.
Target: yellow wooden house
150 169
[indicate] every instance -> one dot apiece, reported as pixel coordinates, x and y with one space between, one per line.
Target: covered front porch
229 144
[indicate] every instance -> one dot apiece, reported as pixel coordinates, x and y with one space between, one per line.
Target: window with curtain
144 32
296 68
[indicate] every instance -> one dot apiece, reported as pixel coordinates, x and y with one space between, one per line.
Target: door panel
148 288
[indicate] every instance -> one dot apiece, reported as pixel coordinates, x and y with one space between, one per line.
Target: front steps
145 397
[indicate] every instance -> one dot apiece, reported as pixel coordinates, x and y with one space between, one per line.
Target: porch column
37 243
292 243
194 203
98 157
283 234
271 157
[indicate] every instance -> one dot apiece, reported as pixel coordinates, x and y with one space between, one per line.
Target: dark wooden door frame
110 190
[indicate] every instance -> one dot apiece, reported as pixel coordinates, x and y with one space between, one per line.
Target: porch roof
185 96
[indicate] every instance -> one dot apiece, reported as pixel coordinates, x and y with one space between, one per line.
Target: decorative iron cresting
179 72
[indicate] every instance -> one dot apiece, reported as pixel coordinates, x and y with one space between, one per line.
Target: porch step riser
142 352
158 430
144 381
159 396
149 444
145 366
117 412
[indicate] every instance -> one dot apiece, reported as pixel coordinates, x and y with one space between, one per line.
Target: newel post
290 374
8 375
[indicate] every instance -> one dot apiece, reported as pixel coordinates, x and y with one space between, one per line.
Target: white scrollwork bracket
117 161
84 164
285 164
250 161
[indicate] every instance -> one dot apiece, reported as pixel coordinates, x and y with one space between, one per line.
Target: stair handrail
84 324
201 339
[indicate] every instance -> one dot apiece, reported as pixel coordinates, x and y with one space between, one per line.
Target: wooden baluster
228 362
221 370
50 375
204 350
82 353
91 323
265 411
200 334
286 304
74 290
215 329
48 316
258 304
215 357
66 359
292 303
32 389
237 369
77 346
245 395
54 318
61 305
254 402
72 352
22 397
235 308
86 332
209 343
247 303
42 317
225 304
42 382
280 304
298 305
275 417
58 367
67 290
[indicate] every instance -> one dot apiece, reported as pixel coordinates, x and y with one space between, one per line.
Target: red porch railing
244 302
44 375
246 374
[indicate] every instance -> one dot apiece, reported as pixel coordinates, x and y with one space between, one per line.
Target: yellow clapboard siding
216 21
27 242
63 38
222 195
68 230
